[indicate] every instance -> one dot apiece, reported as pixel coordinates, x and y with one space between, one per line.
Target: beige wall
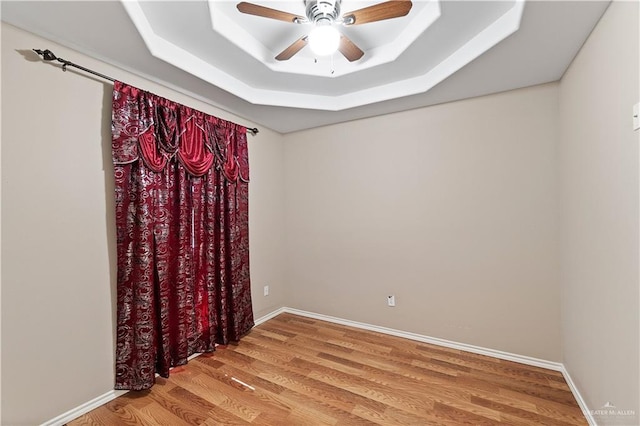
58 242
0 256
508 221
451 208
599 164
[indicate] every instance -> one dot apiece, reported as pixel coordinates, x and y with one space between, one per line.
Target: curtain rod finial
46 54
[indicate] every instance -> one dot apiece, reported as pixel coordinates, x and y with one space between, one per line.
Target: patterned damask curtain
181 179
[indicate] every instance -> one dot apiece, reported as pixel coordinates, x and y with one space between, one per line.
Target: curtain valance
148 127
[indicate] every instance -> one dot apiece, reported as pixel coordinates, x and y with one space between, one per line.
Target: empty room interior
441 226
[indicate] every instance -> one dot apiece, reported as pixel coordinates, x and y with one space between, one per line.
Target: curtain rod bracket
49 56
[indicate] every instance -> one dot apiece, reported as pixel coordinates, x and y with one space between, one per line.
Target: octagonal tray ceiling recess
403 56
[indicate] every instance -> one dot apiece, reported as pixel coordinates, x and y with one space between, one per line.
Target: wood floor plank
128 415
293 370
184 405
158 415
97 417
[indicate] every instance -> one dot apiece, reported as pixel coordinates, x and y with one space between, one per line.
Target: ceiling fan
324 38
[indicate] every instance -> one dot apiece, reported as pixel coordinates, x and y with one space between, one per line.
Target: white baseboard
576 394
270 315
536 362
84 408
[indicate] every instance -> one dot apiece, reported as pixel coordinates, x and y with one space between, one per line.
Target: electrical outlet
391 300
266 290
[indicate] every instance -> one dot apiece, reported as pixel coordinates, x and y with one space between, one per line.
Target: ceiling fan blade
295 47
349 49
266 12
378 12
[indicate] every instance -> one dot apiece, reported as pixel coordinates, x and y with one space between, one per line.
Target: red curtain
181 179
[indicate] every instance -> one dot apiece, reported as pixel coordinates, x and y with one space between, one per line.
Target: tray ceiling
441 51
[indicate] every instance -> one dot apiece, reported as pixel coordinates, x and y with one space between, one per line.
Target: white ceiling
441 51
403 56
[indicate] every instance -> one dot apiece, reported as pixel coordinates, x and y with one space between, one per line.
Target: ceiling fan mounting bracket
323 10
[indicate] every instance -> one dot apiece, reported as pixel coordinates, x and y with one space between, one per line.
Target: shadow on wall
110 203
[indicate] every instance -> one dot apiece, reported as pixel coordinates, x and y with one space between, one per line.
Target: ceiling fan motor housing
322 11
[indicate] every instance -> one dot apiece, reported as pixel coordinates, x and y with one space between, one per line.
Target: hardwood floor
293 370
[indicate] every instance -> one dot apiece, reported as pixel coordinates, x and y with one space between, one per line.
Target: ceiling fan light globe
324 40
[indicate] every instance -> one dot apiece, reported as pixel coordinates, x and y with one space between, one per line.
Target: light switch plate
636 118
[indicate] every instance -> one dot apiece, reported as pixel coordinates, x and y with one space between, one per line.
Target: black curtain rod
48 56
